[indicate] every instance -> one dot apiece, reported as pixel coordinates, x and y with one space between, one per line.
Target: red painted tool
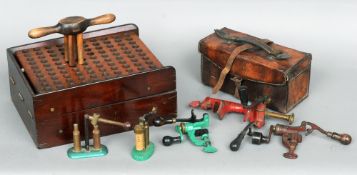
254 113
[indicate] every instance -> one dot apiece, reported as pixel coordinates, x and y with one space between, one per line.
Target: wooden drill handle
43 31
103 19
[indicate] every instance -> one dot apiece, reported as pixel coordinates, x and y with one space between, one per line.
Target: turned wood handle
43 31
72 25
103 19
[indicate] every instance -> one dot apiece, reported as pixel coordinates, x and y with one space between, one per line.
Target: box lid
109 53
255 64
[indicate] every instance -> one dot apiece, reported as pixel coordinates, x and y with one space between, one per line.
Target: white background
172 29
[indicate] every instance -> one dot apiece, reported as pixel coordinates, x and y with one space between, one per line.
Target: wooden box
285 80
121 80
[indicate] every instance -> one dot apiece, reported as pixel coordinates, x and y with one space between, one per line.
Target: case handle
260 43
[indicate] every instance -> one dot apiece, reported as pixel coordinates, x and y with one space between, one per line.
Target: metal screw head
12 80
29 113
20 96
52 109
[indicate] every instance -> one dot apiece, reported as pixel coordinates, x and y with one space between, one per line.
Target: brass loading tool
72 28
94 119
291 136
143 148
97 149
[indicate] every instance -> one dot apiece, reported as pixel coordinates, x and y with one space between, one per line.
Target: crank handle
344 139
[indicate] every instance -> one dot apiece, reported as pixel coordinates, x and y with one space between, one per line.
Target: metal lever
235 144
94 119
344 139
192 119
160 121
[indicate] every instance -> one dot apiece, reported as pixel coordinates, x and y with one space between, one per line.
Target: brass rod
71 50
146 134
66 49
76 139
96 138
102 120
80 48
289 118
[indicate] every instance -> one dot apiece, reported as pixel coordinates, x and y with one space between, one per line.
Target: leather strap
230 62
228 66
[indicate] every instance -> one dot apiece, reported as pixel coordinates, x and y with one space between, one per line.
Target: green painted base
87 154
209 149
143 155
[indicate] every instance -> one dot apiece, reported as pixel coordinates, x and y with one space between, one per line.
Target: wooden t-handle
72 25
103 19
72 28
43 31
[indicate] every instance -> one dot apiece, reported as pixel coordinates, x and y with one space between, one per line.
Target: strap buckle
237 82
